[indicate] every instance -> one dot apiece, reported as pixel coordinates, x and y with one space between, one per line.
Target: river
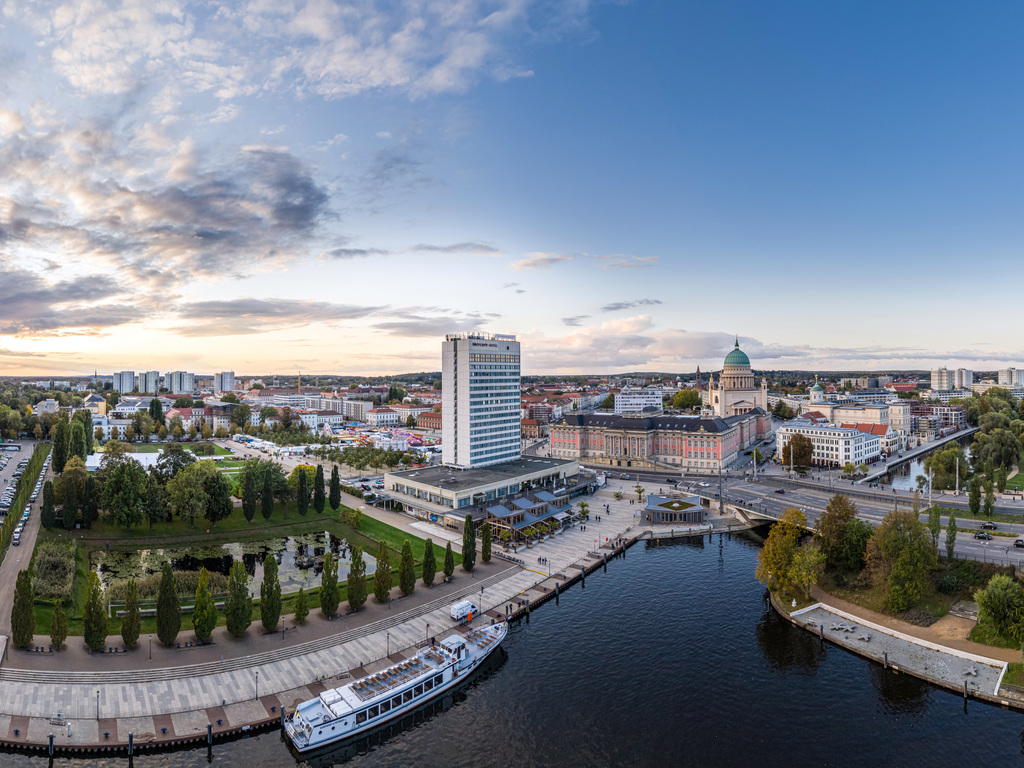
669 659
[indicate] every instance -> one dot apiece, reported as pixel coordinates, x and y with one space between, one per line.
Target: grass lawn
1014 674
154 447
933 603
965 514
985 633
1015 483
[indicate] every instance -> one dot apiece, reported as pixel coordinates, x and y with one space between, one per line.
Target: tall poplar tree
267 501
58 626
429 563
485 543
301 606
94 616
61 444
204 614
131 622
270 594
248 496
357 580
318 490
238 609
951 539
23 617
168 608
77 442
449 561
468 544
301 494
329 594
335 489
406 570
48 515
70 509
383 578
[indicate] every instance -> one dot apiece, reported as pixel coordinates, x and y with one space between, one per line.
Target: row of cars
990 526
7 498
16 539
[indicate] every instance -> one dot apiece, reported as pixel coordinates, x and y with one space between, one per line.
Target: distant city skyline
329 187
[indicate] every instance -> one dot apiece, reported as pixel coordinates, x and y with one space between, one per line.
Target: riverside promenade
93 702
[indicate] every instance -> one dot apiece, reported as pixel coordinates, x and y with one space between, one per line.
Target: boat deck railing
392 677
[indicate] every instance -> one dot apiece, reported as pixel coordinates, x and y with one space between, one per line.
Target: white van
464 609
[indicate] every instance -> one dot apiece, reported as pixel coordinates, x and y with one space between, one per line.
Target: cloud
340 254
432 322
514 285
539 260
619 305
280 129
383 134
234 317
575 321
619 261
326 144
478 248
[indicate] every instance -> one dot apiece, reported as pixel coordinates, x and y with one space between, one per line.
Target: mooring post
965 689
209 733
51 736
821 632
131 743
558 591
606 562
885 659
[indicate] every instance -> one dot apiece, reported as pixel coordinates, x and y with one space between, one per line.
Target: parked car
988 526
982 535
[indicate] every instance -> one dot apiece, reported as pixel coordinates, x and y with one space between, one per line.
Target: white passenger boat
346 711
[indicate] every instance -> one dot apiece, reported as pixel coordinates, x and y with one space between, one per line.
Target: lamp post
150 647
389 643
427 636
97 705
257 685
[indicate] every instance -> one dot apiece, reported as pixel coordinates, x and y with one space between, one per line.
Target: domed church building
736 392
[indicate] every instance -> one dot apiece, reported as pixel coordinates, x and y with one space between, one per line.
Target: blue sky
330 187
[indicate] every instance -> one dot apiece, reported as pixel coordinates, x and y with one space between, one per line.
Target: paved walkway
111 697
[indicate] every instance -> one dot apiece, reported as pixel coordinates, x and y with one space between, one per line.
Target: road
17 558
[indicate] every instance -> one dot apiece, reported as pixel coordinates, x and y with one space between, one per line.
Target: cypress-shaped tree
302 494
70 510
429 563
168 608
357 580
131 622
990 499
238 609
249 496
76 441
48 515
975 496
23 618
485 543
270 594
449 561
301 606
94 616
468 544
951 539
61 444
335 489
204 615
267 500
318 490
329 595
58 626
406 570
90 506
383 578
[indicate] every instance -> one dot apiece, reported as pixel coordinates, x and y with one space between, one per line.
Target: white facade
124 381
943 379
634 400
180 382
381 417
224 381
480 399
964 378
356 410
833 446
149 381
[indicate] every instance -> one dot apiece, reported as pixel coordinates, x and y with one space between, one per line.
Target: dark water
669 659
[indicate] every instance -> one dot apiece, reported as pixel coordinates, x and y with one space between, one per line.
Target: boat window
428 685
385 706
374 711
418 690
396 702
361 717
407 695
437 679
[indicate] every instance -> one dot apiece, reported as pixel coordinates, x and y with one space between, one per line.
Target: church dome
737 357
817 388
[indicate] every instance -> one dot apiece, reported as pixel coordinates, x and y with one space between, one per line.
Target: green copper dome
737 358
817 388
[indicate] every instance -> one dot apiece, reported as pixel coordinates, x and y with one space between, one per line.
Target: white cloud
539 260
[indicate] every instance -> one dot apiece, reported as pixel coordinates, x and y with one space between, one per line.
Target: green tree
270 594
485 543
934 525
406 570
267 500
219 503
94 615
1001 603
23 617
301 606
69 510
975 496
831 531
90 506
990 500
48 515
335 498
61 444
156 502
449 562
686 398
808 565
58 626
383 578
319 499
302 494
429 563
951 538
775 561
248 496
204 614
131 622
85 416
900 555
1001 480
124 493
330 595
468 544
357 580
168 609
799 451
77 442
156 411
238 607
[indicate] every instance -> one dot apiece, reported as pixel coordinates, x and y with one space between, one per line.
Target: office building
180 382
149 381
943 379
480 399
224 381
124 381
964 378
636 400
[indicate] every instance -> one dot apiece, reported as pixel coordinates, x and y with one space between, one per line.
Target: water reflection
900 694
788 648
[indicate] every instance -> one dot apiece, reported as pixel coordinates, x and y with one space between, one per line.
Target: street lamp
389 643
150 647
257 685
97 705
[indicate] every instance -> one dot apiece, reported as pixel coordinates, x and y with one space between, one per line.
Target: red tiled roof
869 429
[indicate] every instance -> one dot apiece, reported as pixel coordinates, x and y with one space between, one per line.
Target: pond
299 560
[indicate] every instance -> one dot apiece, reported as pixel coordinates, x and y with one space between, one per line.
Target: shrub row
149 586
54 571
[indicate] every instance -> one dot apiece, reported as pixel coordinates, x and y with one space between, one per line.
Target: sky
278 186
